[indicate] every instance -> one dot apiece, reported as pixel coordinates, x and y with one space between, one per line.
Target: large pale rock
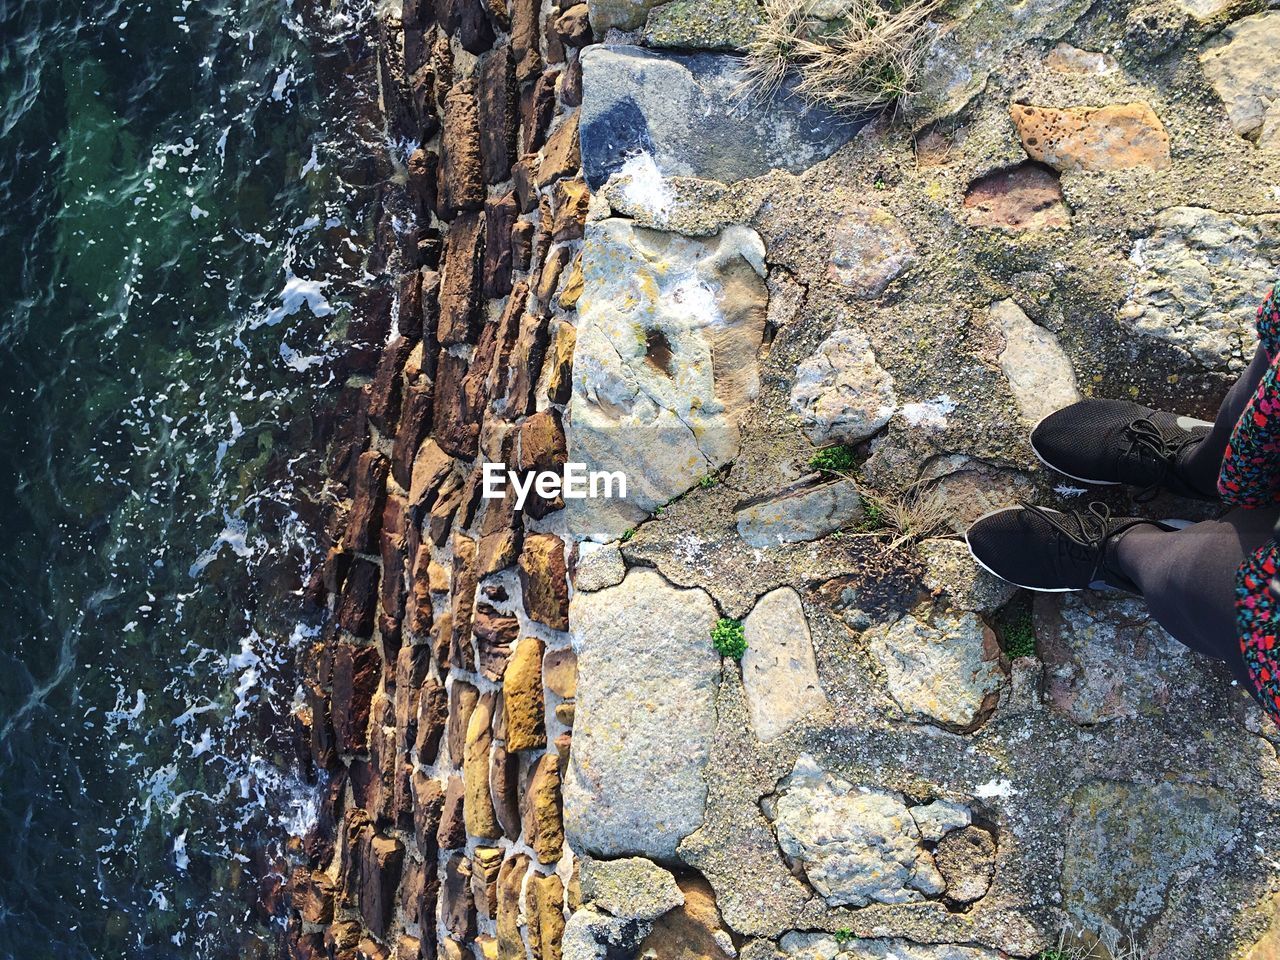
1127 843
868 251
805 511
1121 136
841 392
940 666
703 24
666 360
855 845
632 888
691 115
599 565
1240 62
645 717
1039 373
973 40
1199 279
824 946
1080 637
779 670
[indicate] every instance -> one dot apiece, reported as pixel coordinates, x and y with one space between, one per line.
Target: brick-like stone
460 304
510 882
524 37
500 218
546 921
379 877
478 807
537 109
355 679
522 697
544 579
359 598
495 634
433 715
457 905
504 788
461 650
496 92
543 823
562 155
452 832
461 171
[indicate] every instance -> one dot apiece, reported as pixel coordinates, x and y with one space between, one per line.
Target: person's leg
1188 578
1200 465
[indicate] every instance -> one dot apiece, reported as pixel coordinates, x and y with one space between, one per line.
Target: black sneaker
1053 552
1107 442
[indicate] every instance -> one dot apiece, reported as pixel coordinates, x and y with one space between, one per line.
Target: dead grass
869 61
909 517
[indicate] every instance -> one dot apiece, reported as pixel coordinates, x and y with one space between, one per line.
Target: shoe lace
1145 435
1086 534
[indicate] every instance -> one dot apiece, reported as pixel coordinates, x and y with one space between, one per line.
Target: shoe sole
1176 524
1187 422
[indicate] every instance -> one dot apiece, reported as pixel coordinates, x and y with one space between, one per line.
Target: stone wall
440 701
815 345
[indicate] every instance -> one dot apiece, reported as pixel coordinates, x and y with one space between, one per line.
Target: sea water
181 239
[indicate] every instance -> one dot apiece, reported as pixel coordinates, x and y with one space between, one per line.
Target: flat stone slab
779 670
693 116
646 716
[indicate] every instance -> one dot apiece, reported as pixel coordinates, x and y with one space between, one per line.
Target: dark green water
177 251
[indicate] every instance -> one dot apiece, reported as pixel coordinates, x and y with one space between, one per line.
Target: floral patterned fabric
1250 477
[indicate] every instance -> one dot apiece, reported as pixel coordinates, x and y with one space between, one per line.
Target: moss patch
729 638
1015 627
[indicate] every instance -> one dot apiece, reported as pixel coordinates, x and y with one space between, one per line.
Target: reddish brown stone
496 88
459 406
537 108
384 397
522 244
504 787
431 309
370 949
367 500
541 447
574 26
452 832
440 522
544 829
393 588
457 906
359 598
420 612
561 157
460 283
524 37
424 177
415 421
407 948
464 580
552 45
524 177
323 746
461 178
1025 197
312 896
544 580
433 713
469 21
379 877
431 466
571 85
500 218
380 796
355 678
428 809
496 634
441 638
525 367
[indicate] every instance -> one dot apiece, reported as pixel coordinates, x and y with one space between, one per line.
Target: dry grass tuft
870 59
915 515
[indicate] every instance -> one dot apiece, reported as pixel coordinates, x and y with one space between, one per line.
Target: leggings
1188 576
